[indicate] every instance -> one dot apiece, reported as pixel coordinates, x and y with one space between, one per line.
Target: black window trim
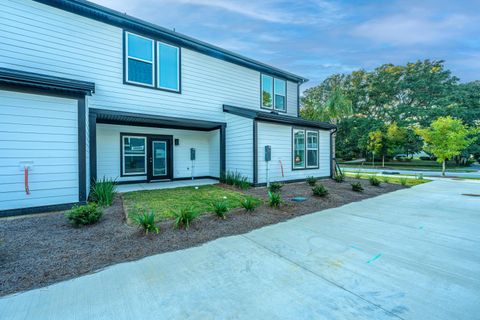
155 85
273 108
122 155
305 167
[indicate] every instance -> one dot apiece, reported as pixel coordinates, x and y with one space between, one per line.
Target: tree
395 137
446 138
376 145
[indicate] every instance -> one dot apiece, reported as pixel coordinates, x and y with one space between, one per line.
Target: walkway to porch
164 185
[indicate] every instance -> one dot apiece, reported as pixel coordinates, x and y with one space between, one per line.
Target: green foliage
446 138
357 186
220 208
235 178
103 191
275 187
403 181
374 181
419 176
386 179
320 191
249 204
311 181
339 177
84 215
146 221
274 199
319 106
184 217
358 175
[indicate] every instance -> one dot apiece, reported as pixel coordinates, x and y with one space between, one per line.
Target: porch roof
148 120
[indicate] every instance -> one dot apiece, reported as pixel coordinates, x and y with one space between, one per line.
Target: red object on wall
27 189
281 167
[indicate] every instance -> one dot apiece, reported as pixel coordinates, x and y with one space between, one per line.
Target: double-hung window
134 155
139 55
305 149
274 93
141 63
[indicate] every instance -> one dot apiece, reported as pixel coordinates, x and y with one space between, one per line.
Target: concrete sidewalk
411 254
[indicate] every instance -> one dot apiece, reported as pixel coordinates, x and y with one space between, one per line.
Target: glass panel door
159 156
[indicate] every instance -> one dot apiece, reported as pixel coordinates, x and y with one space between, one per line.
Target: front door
159 159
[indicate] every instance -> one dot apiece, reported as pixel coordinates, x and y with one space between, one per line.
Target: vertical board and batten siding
41 130
279 137
39 38
239 145
207 152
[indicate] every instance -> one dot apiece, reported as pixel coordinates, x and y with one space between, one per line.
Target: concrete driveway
412 254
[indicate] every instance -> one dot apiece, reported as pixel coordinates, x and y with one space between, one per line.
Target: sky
317 38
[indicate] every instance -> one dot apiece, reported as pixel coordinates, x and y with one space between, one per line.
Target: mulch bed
37 251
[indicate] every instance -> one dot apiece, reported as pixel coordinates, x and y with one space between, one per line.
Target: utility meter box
268 153
192 154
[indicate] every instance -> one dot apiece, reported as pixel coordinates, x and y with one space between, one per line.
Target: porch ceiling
147 120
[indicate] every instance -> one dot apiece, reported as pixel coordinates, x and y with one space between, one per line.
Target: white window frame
123 156
307 148
158 67
273 107
127 57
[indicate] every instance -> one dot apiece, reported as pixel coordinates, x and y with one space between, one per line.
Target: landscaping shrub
249 204
274 199
386 179
84 215
358 175
403 181
311 181
103 191
235 179
339 177
220 208
184 217
275 187
357 186
146 221
320 191
374 181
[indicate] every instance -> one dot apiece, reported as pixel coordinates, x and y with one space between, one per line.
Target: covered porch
165 185
140 148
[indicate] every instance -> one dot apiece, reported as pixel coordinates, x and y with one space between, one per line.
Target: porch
164 185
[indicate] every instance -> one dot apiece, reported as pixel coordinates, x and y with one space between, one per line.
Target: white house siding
207 151
39 38
43 132
279 137
239 145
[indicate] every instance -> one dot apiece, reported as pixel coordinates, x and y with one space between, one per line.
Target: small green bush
320 191
339 177
184 217
146 221
358 175
275 187
357 186
84 215
311 181
274 199
103 191
235 179
386 179
403 181
220 208
249 204
374 181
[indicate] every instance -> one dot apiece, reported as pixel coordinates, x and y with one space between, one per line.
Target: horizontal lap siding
279 137
109 151
239 145
44 130
36 37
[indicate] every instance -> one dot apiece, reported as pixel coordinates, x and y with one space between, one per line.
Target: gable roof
121 20
276 118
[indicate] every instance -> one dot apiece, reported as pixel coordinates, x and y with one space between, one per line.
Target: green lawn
165 201
408 165
395 180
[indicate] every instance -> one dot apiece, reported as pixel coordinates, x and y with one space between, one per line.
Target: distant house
87 92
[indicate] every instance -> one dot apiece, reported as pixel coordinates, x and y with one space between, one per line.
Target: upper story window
274 93
144 67
139 67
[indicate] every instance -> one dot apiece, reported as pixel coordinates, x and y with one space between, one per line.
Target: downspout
332 159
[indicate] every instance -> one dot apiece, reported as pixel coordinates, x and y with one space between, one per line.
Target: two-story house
87 92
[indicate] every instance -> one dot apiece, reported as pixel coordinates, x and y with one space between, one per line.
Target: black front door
160 158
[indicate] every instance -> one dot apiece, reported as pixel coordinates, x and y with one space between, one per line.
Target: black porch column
92 129
223 165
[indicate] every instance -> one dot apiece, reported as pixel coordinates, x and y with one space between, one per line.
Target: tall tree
446 138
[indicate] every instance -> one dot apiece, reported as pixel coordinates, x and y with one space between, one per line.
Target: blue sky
316 38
